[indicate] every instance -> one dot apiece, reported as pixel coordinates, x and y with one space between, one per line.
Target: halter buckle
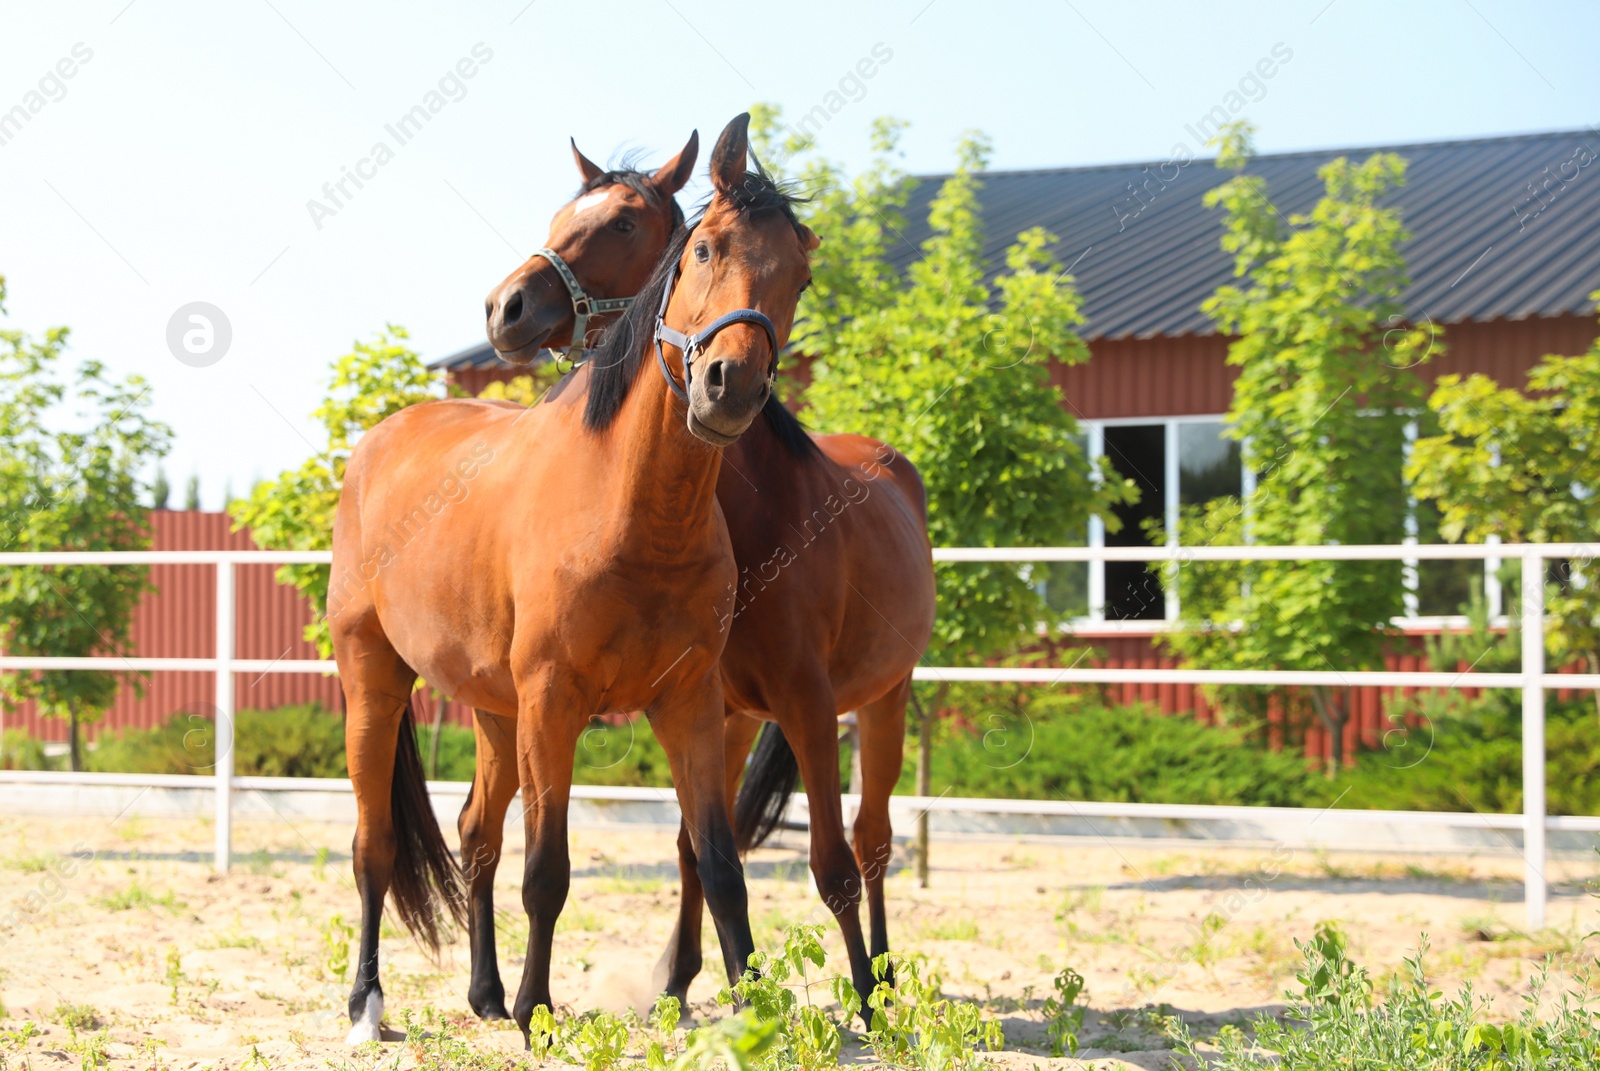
583 307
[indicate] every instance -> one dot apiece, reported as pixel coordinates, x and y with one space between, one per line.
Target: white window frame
1095 620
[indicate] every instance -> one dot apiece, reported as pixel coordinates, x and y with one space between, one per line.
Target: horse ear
586 167
728 158
674 174
808 238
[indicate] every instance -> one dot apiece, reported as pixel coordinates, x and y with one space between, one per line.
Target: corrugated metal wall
1505 349
1189 375
1369 707
178 620
1149 377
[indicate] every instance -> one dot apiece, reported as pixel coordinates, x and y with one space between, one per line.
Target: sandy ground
117 935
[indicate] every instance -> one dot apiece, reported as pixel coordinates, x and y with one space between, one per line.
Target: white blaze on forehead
591 200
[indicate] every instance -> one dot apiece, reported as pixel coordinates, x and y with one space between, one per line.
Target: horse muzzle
724 399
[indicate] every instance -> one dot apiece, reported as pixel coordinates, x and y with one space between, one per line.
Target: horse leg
690 730
549 721
377 687
883 733
812 728
681 961
482 826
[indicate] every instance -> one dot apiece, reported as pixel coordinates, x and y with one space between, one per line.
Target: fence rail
1533 680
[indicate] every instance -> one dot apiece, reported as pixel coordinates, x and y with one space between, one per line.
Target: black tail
769 781
427 880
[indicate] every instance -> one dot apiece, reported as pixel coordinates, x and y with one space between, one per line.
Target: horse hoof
488 1003
366 1025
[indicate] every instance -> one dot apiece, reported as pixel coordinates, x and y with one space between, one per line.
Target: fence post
1097 531
1533 774
224 716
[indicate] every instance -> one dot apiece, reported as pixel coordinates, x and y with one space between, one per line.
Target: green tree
160 489
953 371
862 217
72 443
1523 466
1320 407
191 493
295 511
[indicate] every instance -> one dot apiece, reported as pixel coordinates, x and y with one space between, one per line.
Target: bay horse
606 240
834 607
553 564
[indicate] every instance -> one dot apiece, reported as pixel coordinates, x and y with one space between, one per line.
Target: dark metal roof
477 355
1505 227
1482 247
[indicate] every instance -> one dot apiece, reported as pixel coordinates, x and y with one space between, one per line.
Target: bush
1467 755
19 751
1010 741
458 751
1040 743
308 741
609 752
625 753
297 741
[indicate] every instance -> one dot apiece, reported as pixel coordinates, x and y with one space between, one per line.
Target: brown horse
606 240
834 606
554 564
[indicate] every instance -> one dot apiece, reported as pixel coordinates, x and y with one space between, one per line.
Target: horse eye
702 252
623 225
806 287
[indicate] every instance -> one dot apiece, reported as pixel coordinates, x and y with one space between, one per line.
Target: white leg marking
366 1027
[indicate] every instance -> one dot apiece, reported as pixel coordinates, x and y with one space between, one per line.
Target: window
1065 585
1133 590
1208 464
1187 461
1444 588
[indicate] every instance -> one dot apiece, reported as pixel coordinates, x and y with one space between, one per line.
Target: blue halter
694 344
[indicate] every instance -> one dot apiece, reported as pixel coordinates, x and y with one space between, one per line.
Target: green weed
1063 1015
1341 1018
137 895
336 935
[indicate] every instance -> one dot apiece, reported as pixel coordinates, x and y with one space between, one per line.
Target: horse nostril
513 309
488 310
714 374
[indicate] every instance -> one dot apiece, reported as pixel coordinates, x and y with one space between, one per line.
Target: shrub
181 745
609 752
302 741
1467 755
308 741
296 741
625 753
1040 743
19 751
457 751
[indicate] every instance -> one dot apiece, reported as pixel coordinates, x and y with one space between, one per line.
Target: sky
184 157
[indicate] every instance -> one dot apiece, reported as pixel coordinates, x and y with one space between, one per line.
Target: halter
583 306
695 343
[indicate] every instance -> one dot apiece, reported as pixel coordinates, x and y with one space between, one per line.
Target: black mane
636 180
626 344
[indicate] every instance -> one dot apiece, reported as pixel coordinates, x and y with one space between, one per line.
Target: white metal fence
1533 680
